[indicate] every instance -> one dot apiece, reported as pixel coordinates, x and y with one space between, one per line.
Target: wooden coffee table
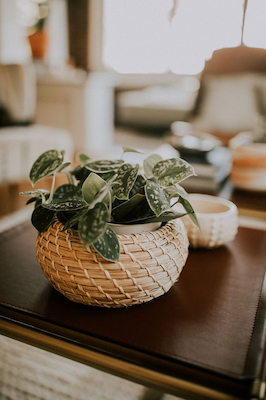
204 339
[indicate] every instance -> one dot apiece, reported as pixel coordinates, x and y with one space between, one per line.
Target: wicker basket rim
162 228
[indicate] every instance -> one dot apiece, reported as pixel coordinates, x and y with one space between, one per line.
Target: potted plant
77 246
38 36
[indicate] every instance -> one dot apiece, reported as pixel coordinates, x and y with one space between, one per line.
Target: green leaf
67 192
157 197
126 177
108 245
149 163
171 171
45 165
177 190
142 210
67 205
41 218
38 200
106 175
164 217
63 166
65 216
66 198
33 199
92 186
74 220
80 173
131 150
82 158
92 225
104 165
120 212
138 186
189 209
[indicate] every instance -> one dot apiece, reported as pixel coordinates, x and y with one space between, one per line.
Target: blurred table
251 205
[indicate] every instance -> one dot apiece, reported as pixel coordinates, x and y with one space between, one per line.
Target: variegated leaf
149 163
157 197
171 171
67 192
45 165
34 192
63 166
126 177
108 245
67 205
93 224
104 165
138 186
92 186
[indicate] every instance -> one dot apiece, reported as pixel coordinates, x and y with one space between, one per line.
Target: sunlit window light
200 27
140 37
255 27
136 35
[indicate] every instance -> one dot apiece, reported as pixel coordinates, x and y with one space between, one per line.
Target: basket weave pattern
150 263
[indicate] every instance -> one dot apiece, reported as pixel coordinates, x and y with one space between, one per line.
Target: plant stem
177 201
52 189
70 178
110 203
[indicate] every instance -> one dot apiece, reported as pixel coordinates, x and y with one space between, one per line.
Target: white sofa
21 146
22 141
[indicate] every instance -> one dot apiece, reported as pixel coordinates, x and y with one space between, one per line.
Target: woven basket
150 263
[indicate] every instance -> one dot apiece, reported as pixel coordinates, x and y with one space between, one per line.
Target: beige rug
28 373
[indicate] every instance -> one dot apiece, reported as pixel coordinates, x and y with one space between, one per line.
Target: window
160 36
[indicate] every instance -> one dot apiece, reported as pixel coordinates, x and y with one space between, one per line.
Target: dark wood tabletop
205 338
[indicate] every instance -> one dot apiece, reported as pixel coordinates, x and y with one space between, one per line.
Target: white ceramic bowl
218 219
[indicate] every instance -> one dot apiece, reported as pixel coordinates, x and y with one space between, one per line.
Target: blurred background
182 76
92 75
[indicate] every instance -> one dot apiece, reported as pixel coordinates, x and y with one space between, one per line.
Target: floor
29 373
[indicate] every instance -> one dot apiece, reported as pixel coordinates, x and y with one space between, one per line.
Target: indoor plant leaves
109 191
171 171
191 213
42 218
126 177
104 165
157 197
92 225
45 165
92 186
149 163
108 245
